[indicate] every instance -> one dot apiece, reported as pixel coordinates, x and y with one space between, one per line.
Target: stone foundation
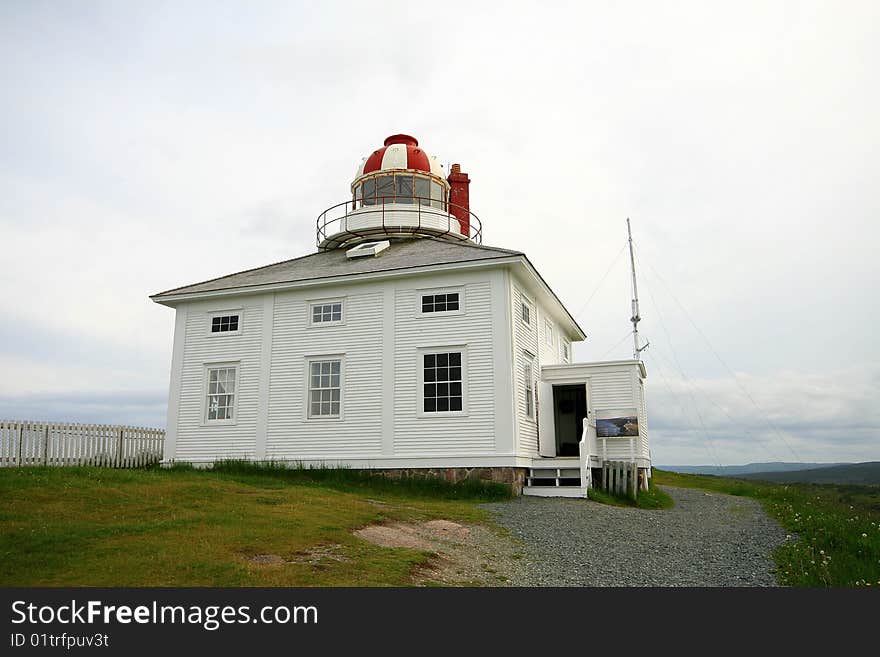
513 477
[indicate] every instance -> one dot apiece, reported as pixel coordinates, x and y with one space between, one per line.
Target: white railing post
584 446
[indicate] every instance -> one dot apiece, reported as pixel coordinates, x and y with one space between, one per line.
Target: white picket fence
64 443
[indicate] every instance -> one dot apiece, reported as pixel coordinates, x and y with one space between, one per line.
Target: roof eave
170 299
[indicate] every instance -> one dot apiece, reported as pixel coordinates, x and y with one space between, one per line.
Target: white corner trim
389 305
174 386
262 427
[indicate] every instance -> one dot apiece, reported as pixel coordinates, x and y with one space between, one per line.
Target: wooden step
555 491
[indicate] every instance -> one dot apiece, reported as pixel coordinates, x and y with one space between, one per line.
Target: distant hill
863 474
749 468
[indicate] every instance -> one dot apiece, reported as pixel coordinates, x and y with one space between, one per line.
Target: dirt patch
267 559
394 536
315 556
460 555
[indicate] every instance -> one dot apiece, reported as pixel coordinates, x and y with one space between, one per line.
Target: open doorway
570 409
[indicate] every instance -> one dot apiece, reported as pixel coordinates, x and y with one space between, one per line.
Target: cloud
794 416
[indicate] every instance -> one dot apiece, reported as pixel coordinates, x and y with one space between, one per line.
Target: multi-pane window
221 393
224 324
529 389
326 312
442 382
548 332
526 313
566 351
325 388
440 303
400 188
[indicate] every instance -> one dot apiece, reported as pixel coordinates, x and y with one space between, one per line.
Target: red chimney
459 198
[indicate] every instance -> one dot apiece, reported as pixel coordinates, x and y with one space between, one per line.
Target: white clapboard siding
417 434
24 443
197 440
643 420
530 339
612 390
358 340
525 339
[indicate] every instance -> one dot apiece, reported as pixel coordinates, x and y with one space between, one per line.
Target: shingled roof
405 254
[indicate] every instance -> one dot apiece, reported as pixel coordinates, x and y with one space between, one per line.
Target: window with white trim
529 388
442 382
548 332
525 313
327 313
566 350
220 397
225 323
325 388
441 302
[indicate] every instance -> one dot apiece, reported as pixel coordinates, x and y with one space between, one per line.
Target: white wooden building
403 343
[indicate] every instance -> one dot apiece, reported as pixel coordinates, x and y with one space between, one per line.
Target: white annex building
403 343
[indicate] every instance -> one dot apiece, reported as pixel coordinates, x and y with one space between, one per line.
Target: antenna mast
635 319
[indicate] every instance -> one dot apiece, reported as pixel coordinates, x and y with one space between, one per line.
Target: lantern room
400 191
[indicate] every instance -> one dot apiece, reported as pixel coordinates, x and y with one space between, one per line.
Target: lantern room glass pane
437 195
385 189
423 191
404 189
370 191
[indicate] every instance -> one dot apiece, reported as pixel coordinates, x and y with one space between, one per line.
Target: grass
834 531
185 527
653 498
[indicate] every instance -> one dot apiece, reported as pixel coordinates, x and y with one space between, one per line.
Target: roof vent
368 249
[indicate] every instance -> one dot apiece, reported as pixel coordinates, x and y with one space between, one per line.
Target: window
327 313
325 388
529 388
224 324
442 386
526 313
404 189
385 189
423 193
220 400
438 195
370 191
566 350
440 303
548 332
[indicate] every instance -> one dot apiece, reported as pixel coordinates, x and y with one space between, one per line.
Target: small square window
441 303
224 324
327 313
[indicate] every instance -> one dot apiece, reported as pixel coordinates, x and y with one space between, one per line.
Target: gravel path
707 539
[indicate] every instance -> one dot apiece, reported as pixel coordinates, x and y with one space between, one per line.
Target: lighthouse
400 191
403 345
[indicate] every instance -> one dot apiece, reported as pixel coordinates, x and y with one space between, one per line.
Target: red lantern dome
401 192
400 152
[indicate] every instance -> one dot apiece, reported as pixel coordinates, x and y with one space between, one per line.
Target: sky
148 145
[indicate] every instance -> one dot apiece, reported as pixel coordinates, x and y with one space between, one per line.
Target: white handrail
584 449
